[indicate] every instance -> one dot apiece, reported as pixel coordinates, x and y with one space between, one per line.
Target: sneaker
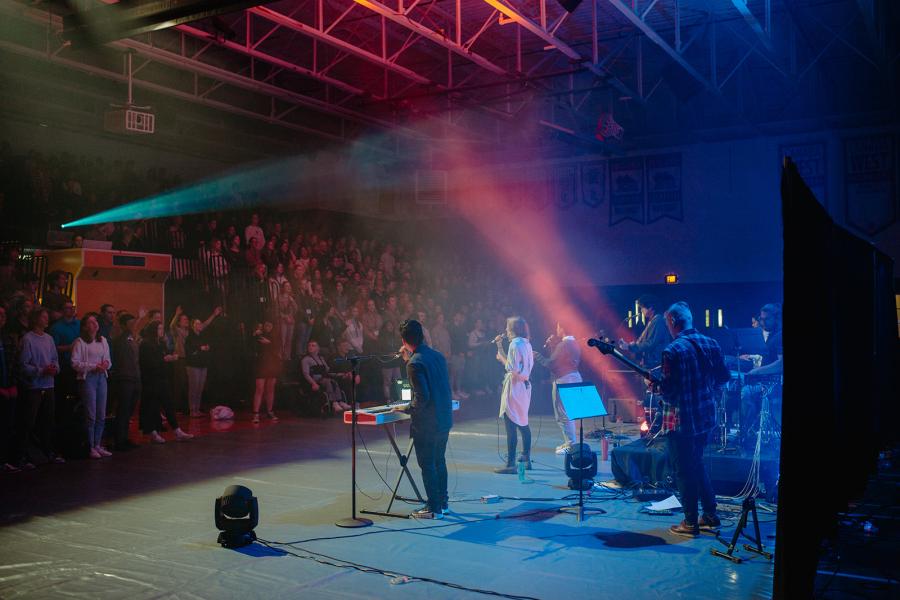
445 507
56 459
339 407
26 465
10 468
564 448
506 470
94 453
426 513
272 417
685 529
156 438
464 395
103 451
709 523
255 418
345 406
182 436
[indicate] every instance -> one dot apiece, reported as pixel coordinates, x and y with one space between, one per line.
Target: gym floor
140 524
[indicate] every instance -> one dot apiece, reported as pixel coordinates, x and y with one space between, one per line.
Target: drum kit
748 409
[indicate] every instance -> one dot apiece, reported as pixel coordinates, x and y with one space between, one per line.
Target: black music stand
581 401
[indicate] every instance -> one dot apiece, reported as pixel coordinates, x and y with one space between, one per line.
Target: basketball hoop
608 128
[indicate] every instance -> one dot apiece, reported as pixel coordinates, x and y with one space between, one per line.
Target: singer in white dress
515 398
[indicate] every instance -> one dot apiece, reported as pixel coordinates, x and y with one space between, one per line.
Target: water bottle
521 469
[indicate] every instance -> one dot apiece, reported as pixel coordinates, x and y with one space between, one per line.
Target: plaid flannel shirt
690 383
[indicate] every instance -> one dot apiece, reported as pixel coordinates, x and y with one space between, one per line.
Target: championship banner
812 164
538 186
870 170
626 190
593 183
563 186
664 198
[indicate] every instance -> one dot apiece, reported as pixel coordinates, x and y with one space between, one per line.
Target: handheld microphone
499 338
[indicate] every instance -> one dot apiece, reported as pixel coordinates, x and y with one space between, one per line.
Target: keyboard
383 414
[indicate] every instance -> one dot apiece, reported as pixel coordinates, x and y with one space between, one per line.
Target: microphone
499 338
593 342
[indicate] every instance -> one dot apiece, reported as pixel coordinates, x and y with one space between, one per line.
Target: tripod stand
353 520
748 507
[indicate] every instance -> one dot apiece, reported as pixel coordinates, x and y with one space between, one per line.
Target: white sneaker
103 451
564 448
156 438
345 406
338 406
182 436
93 453
464 395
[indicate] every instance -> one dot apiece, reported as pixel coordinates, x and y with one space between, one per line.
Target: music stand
581 401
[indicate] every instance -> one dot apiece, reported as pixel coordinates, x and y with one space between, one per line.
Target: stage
140 525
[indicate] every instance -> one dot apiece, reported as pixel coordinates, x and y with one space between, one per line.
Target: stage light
581 467
237 515
644 427
671 278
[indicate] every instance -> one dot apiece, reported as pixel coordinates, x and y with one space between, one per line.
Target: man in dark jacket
127 377
431 410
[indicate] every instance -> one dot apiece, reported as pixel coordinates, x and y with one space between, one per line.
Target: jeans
196 382
686 454
511 441
93 392
129 395
430 450
565 424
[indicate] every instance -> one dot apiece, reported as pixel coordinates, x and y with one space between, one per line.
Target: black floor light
581 467
237 514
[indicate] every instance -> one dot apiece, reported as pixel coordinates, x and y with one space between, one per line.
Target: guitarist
692 370
649 345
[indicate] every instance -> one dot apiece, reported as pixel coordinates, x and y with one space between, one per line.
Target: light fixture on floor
581 467
237 515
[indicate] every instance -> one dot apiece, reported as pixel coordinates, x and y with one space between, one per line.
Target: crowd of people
276 300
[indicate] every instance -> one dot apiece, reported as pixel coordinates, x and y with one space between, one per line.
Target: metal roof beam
761 32
402 19
535 29
636 20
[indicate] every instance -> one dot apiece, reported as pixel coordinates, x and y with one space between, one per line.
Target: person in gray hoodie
38 364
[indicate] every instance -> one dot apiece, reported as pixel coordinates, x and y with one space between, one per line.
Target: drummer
769 365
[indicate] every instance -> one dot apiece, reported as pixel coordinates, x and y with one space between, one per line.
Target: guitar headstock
606 346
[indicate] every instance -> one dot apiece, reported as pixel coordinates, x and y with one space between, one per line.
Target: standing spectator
372 322
179 330
340 299
253 256
276 280
127 376
91 362
354 331
388 342
287 314
459 343
155 390
440 335
106 320
19 325
8 394
267 368
254 232
64 332
197 350
234 253
54 297
269 255
39 364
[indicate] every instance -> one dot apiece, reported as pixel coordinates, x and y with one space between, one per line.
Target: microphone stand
354 521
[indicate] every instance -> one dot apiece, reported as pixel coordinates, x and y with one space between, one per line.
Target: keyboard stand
404 470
